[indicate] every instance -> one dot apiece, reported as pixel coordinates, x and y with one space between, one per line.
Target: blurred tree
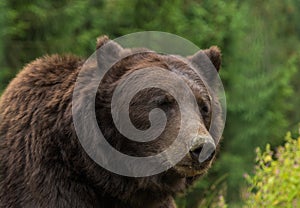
6 73
259 86
35 28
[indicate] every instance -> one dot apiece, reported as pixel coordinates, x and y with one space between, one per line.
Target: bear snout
203 149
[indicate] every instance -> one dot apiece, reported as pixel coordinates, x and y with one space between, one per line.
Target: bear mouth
191 169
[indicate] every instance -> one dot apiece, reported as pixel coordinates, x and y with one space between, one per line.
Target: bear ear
101 40
111 47
213 53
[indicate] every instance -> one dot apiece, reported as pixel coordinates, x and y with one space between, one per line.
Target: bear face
148 99
44 165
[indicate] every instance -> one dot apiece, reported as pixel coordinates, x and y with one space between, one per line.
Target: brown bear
42 163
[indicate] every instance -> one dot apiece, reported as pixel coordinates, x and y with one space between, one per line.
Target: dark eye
205 109
163 100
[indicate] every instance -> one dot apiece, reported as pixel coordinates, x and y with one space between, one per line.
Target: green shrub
276 182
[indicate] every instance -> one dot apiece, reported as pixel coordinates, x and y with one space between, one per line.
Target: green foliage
205 194
191 19
258 80
276 182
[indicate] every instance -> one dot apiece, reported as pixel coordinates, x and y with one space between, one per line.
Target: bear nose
203 151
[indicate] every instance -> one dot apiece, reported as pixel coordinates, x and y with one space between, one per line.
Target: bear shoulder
49 69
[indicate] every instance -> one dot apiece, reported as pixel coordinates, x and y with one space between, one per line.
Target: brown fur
42 163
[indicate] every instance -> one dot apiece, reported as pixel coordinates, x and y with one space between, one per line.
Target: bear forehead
141 60
149 59
173 63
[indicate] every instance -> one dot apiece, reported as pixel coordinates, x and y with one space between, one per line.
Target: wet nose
204 150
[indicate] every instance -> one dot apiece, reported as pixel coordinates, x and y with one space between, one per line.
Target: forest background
260 71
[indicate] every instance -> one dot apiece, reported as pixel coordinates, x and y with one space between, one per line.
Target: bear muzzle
203 148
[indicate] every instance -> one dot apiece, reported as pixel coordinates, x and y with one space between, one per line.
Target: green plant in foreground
276 182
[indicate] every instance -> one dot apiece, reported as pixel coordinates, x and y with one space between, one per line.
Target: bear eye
163 100
205 109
